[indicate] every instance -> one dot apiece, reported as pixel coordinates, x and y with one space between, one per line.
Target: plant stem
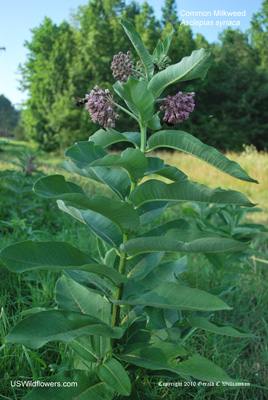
126 111
119 290
143 137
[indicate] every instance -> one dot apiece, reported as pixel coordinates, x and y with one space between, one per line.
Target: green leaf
133 160
157 166
83 348
94 282
181 241
108 136
139 47
114 375
70 295
84 153
167 42
118 181
121 213
63 325
155 190
137 97
55 185
215 327
192 67
88 386
176 296
141 265
155 356
202 369
160 230
189 144
162 48
158 356
165 272
149 211
101 226
154 123
29 255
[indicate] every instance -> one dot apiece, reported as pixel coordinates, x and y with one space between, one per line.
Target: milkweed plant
127 310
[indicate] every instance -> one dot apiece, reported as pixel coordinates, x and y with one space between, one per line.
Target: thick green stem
143 137
119 290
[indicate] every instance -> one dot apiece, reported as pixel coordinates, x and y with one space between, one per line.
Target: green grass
244 359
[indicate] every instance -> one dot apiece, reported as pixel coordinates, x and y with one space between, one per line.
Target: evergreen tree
9 116
169 14
259 33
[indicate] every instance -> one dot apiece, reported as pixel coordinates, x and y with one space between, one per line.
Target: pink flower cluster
122 66
177 108
101 108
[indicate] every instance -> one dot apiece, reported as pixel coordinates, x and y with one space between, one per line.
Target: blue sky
17 17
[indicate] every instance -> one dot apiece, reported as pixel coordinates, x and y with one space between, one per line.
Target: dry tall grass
255 164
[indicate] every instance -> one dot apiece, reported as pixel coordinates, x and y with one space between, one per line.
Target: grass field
255 164
244 359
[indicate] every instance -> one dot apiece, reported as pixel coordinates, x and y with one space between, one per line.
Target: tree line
69 59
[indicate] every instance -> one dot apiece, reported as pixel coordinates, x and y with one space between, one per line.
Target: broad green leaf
133 160
63 325
165 335
189 144
55 185
96 283
91 348
84 153
121 213
88 386
157 166
155 190
215 327
143 53
154 123
110 257
108 136
29 255
165 272
114 375
83 348
149 211
70 295
155 319
176 296
118 181
160 230
202 369
141 265
159 357
137 97
101 226
181 241
194 66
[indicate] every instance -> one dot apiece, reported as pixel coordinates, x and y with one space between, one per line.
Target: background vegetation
24 215
69 59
